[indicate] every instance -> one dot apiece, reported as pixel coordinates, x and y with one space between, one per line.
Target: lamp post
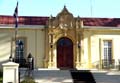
79 45
10 59
30 60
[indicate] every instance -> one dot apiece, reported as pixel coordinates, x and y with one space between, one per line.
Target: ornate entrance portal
63 37
64 53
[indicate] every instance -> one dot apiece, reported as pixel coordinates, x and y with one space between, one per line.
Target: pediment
64 19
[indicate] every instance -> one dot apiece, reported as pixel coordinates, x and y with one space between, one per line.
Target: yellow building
62 42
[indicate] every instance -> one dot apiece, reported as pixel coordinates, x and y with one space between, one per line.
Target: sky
82 8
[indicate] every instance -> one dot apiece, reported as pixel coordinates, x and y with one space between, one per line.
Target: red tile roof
107 22
24 20
28 20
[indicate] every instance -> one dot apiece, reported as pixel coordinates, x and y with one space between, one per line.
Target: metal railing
22 62
105 64
108 64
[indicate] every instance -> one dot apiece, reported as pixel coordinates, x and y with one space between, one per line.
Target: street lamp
51 45
30 61
10 59
79 45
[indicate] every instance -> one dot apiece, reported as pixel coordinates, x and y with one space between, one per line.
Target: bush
1 79
28 80
1 75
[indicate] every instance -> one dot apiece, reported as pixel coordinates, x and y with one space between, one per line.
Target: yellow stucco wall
36 45
93 46
5 45
35 39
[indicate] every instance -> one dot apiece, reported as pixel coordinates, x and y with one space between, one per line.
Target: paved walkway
51 76
66 76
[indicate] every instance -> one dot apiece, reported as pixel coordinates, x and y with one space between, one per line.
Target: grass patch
28 80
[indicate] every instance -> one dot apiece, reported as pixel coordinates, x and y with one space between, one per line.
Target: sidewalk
50 76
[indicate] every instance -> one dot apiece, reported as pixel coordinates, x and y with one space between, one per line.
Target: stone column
51 63
10 72
49 55
78 47
78 56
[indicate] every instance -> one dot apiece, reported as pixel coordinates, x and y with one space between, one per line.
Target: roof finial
64 9
51 16
78 18
64 6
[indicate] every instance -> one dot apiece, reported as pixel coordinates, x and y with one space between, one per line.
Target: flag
16 16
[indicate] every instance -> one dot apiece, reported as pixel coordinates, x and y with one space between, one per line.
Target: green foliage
1 72
1 79
1 75
28 80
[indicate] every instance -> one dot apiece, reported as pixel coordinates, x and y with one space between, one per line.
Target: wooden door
64 53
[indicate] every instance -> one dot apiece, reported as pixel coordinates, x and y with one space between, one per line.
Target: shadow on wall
5 45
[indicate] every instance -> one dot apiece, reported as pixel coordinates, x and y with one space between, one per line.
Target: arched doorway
64 53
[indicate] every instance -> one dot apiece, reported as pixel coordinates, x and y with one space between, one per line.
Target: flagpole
15 31
16 26
15 41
